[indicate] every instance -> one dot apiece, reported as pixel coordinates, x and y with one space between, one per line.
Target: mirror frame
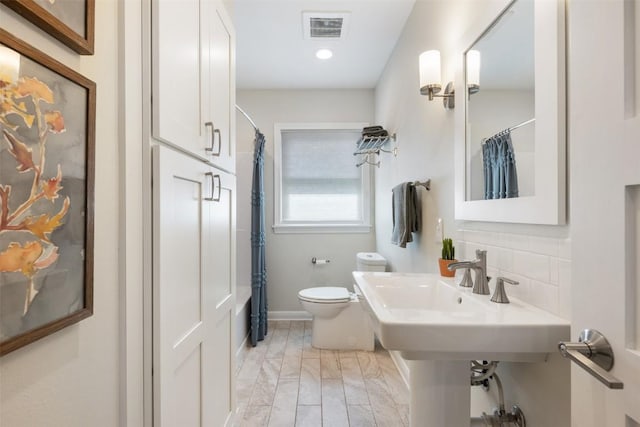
548 205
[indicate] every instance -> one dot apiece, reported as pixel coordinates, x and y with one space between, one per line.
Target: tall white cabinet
193 48
194 211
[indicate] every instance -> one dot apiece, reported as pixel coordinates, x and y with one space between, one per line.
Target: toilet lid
325 294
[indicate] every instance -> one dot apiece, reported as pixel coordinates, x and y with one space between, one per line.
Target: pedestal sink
440 327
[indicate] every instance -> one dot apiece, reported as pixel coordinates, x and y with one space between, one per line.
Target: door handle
214 178
592 353
214 131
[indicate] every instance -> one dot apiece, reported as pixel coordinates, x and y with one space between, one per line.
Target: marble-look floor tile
360 416
344 354
354 388
277 344
309 416
330 365
382 406
310 383
256 416
285 382
334 408
369 364
244 390
265 388
308 351
405 413
395 383
285 403
290 367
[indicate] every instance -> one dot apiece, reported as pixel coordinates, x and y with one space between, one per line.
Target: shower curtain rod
248 118
526 122
504 131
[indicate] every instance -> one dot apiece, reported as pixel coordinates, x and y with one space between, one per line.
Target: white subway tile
520 291
472 236
544 296
553 271
564 289
505 259
531 265
471 248
544 245
515 241
564 248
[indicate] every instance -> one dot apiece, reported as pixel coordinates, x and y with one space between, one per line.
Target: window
318 187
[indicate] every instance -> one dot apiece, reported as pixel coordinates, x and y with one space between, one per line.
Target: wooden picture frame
62 19
47 167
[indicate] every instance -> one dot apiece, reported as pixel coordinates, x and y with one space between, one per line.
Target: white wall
289 267
538 255
71 378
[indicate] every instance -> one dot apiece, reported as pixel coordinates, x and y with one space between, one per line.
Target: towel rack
426 184
372 145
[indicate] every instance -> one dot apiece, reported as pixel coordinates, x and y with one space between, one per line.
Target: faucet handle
466 279
499 295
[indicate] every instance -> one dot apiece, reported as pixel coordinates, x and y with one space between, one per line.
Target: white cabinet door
193 48
604 131
219 272
193 292
177 75
220 94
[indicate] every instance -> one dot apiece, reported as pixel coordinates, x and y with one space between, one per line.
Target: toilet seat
325 295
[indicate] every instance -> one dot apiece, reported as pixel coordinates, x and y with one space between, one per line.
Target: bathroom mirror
510 132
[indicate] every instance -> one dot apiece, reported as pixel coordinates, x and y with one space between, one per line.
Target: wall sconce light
9 65
473 71
430 79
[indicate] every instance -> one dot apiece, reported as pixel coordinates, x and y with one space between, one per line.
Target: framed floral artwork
70 21
47 134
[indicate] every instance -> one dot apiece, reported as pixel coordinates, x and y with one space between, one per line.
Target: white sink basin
428 317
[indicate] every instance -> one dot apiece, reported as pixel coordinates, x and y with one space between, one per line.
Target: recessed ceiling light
324 54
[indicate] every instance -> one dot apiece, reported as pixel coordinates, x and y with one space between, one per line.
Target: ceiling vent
325 25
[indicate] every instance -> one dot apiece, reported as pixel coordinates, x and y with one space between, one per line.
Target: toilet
339 320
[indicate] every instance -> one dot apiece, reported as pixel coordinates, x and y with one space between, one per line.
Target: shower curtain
500 174
258 264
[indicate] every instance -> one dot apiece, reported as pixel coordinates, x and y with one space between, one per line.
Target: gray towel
407 216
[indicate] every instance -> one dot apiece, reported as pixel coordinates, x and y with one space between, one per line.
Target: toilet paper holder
315 260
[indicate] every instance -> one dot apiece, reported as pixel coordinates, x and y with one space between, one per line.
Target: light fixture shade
430 68
473 68
9 65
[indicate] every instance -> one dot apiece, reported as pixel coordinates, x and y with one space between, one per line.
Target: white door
182 299
221 86
219 272
604 135
178 68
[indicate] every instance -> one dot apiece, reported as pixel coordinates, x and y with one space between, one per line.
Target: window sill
320 228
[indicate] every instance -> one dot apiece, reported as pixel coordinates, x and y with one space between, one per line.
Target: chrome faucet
479 266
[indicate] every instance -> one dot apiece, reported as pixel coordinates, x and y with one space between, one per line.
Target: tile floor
284 382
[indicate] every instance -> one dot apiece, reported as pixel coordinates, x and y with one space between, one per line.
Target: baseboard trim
402 365
289 315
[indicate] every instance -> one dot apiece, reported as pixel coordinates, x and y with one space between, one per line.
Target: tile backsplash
542 265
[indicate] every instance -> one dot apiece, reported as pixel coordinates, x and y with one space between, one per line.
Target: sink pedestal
440 393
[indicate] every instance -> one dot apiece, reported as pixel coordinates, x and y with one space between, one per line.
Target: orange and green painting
41 182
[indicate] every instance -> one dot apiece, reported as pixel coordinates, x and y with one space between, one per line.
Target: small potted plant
448 256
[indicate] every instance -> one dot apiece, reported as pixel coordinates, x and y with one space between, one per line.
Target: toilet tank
370 261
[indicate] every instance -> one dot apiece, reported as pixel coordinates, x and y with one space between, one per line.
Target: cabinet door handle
212 139
214 178
592 353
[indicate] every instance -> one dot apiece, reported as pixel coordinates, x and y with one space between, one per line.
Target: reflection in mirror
500 123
